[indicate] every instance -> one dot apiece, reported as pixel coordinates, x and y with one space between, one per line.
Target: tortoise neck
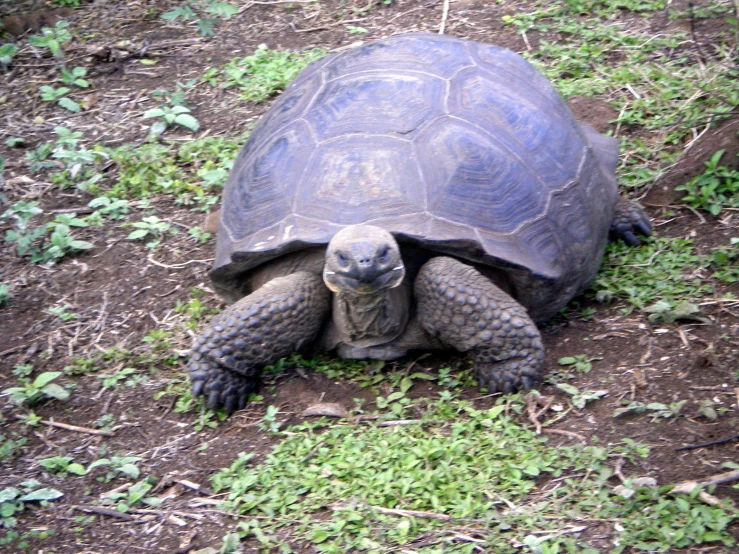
371 319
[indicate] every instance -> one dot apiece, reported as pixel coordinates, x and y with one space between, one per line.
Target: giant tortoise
418 192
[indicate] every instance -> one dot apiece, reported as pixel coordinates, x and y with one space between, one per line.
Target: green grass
339 487
265 73
662 269
193 172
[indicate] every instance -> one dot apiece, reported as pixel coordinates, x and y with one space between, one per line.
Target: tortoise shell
459 147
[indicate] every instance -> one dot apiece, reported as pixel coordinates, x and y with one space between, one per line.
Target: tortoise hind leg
463 308
630 218
272 322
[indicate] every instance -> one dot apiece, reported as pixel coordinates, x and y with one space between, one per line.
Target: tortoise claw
630 218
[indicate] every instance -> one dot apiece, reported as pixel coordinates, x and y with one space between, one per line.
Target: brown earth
122 291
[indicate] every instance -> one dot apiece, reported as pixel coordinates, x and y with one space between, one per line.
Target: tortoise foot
512 375
269 324
464 309
221 387
629 219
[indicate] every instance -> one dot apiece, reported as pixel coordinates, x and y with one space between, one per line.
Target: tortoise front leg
269 324
465 310
630 218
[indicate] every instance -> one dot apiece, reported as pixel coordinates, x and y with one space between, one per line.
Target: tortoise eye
383 254
343 262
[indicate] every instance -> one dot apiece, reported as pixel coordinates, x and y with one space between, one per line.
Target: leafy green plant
656 409
14 500
128 376
668 312
201 10
133 496
31 392
726 262
177 115
8 447
75 77
151 229
118 466
62 312
581 398
173 169
580 363
5 295
270 422
715 189
266 72
198 234
52 38
58 95
194 309
7 52
661 269
456 468
110 207
15 142
62 465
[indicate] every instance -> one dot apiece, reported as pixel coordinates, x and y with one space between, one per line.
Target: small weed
15 142
62 465
151 229
580 399
666 312
75 77
62 312
352 30
127 376
5 295
48 242
117 466
13 501
715 189
266 72
32 392
110 207
52 39
30 419
726 262
59 95
9 447
7 52
661 269
105 422
580 363
177 115
81 366
198 234
172 169
270 422
202 11
656 409
133 496
194 309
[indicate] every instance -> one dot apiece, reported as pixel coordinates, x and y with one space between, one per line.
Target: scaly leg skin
630 218
460 306
271 323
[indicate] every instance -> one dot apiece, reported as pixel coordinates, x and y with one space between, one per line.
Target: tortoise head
363 259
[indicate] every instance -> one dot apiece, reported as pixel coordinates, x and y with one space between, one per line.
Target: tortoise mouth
366 282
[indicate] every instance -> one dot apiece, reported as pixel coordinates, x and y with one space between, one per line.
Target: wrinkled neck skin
371 319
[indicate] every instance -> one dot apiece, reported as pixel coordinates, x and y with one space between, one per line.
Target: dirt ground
122 291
